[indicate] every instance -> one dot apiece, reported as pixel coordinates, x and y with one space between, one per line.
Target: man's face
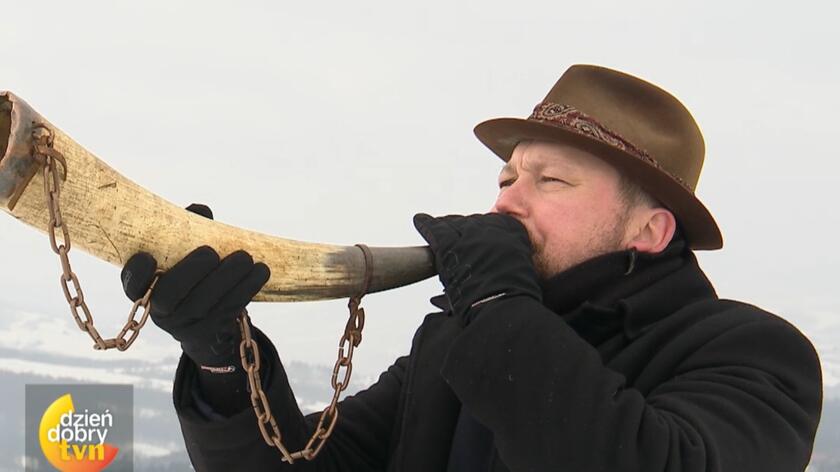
569 201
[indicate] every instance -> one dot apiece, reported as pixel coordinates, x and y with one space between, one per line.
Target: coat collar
626 290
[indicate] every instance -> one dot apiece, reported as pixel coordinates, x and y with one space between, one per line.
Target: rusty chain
250 357
44 152
48 157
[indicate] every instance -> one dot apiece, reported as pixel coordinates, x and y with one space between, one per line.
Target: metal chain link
350 340
48 156
44 152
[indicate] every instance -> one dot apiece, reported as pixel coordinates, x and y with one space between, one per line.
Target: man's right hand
198 300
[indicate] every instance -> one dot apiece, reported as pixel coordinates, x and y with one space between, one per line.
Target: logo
79 428
75 441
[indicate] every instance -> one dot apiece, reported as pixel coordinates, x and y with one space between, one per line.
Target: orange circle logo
75 441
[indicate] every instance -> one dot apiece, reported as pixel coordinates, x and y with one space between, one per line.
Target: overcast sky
337 122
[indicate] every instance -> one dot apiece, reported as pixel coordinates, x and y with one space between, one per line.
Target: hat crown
641 113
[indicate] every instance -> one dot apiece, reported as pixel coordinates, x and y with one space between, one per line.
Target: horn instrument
111 218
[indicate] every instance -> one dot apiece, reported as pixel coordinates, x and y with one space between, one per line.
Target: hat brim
502 135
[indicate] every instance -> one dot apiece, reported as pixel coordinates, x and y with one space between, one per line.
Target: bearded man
577 331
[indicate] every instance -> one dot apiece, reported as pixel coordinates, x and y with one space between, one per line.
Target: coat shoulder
746 313
755 334
720 331
731 314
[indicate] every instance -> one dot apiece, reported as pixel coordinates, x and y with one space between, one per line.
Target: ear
656 227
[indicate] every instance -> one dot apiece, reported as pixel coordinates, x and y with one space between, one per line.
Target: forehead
535 155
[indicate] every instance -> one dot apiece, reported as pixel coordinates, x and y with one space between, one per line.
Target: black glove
198 299
480 258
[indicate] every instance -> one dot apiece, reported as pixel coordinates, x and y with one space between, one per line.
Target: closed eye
552 179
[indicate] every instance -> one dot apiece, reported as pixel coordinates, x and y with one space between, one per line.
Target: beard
607 239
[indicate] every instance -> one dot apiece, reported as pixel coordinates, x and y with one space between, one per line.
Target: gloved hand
480 258
198 299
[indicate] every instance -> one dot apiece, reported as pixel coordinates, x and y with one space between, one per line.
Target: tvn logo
76 441
79 428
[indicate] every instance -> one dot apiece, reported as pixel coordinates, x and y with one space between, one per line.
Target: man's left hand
480 258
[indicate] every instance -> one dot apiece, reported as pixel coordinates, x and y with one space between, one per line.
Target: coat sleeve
746 398
359 442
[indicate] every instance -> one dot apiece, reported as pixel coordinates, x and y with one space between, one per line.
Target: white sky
337 122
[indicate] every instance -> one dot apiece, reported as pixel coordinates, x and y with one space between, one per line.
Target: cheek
563 227
550 226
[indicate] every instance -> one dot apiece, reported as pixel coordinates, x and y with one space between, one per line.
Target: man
577 331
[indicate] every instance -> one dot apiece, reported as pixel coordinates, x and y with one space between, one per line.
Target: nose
512 200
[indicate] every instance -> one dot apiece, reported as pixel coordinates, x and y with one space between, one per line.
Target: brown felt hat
637 127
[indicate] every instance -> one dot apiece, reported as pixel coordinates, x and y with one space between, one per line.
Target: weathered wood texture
111 217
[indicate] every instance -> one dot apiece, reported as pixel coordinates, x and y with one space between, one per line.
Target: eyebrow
542 162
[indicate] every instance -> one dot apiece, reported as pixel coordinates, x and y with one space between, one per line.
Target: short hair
634 195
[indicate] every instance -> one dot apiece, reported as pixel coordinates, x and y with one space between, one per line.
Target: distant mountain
826 456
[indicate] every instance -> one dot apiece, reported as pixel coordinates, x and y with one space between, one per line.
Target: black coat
611 372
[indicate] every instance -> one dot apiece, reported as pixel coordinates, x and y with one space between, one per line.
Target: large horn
111 217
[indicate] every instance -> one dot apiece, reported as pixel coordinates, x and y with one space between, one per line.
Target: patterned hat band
574 120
